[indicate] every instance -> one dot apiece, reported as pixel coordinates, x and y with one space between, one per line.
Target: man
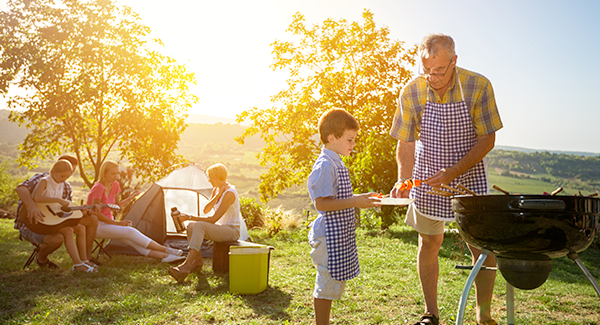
445 125
50 242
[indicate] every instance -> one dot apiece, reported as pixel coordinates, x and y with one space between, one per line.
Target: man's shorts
31 236
422 224
326 287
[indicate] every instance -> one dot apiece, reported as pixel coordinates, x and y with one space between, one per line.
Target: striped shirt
478 95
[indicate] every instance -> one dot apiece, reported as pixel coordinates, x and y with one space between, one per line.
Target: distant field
528 185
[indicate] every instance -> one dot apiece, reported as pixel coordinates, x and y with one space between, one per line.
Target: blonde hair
70 158
61 166
108 164
218 171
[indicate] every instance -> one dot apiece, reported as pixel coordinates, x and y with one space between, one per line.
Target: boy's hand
64 202
367 200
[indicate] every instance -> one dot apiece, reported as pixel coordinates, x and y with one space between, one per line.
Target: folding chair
36 250
100 248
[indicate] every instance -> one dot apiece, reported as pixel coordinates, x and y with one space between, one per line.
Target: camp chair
99 246
36 250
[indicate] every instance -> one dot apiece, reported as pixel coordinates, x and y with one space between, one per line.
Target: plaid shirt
31 184
478 94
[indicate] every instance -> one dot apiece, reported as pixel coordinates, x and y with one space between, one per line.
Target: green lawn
130 289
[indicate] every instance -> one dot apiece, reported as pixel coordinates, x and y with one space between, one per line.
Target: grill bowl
528 227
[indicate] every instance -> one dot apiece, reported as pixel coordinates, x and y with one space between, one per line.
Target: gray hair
432 43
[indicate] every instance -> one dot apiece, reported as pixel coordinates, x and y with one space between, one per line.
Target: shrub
370 219
253 212
278 219
8 184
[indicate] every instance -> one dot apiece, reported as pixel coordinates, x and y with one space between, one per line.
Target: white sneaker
174 251
172 258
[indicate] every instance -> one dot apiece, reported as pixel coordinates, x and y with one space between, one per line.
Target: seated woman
106 191
223 225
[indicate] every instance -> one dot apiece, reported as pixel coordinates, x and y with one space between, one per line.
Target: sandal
47 264
88 269
178 274
90 263
429 319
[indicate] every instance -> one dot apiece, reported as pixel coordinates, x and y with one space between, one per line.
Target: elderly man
445 125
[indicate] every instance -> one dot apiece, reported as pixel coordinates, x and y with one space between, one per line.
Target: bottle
176 221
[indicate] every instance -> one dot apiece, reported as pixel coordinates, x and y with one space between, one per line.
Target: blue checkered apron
447 135
340 236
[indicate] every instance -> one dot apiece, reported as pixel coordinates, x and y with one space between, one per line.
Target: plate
395 201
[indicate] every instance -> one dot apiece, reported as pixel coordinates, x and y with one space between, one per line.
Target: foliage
253 212
337 64
370 219
8 184
89 84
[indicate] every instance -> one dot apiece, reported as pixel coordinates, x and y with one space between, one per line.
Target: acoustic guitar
57 216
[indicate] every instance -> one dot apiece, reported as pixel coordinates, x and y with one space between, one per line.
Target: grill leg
585 271
510 304
463 299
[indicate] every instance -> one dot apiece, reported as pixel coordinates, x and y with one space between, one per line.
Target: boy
332 236
50 190
49 242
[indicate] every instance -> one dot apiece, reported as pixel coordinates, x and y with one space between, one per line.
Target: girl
106 191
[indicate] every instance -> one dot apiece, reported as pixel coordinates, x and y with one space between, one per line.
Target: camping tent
186 188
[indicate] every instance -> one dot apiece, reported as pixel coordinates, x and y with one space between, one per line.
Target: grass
133 289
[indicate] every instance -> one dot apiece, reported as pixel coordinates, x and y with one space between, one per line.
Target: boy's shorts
422 224
326 287
31 236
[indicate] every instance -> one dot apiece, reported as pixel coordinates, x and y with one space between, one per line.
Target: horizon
226 120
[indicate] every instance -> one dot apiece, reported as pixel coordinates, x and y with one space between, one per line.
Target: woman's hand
219 191
125 223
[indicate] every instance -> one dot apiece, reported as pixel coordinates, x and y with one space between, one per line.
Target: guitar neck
83 207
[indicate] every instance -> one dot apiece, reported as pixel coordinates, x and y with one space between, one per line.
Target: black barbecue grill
525 232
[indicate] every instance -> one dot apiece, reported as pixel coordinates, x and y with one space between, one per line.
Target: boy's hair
106 166
61 166
218 171
335 121
70 158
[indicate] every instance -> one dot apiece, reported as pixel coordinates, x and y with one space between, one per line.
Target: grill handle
542 204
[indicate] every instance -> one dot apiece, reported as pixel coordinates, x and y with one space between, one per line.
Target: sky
541 56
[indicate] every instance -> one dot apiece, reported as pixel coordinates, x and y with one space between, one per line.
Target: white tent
186 188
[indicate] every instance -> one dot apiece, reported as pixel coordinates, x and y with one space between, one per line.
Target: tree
90 84
338 64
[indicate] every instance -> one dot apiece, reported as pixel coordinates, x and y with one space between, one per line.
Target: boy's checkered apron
447 134
340 234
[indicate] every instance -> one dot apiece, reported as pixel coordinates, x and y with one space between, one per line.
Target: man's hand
34 215
444 176
398 193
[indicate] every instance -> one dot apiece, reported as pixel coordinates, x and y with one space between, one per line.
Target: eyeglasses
428 72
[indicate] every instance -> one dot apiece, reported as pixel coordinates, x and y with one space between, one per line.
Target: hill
517 170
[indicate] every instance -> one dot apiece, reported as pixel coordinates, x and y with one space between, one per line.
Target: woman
105 192
223 225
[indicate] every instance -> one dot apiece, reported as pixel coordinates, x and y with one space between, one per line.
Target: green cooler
249 268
